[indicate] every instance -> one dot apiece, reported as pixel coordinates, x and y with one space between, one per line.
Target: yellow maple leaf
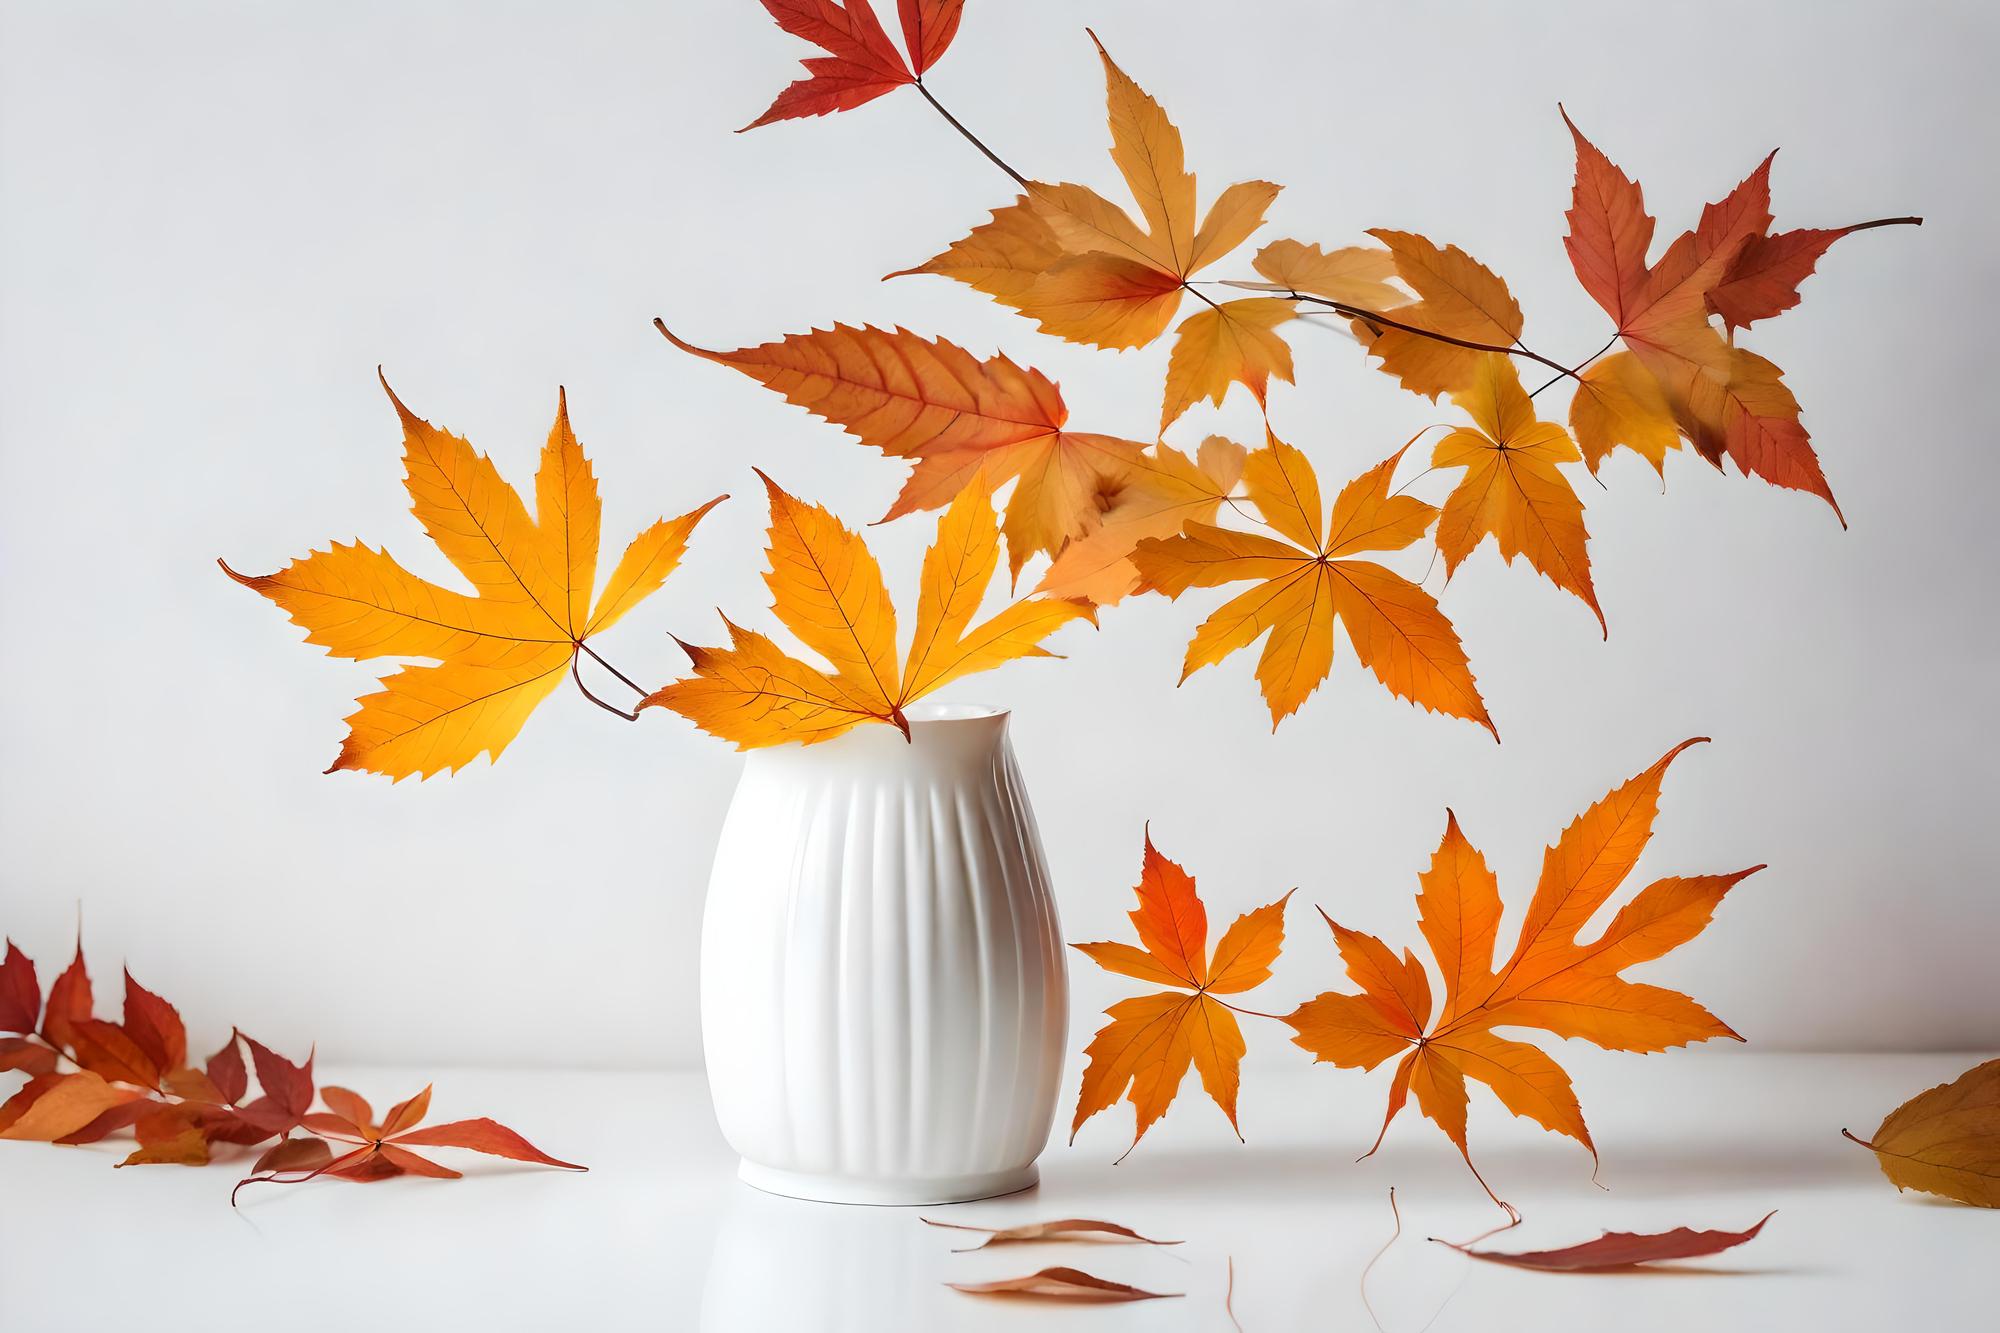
499 652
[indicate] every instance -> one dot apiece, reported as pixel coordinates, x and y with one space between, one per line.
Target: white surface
883 1001
220 216
660 1235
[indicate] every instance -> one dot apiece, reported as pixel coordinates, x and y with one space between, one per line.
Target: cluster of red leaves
135 1075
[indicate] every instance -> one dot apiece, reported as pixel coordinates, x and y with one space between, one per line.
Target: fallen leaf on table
498 653
1062 1284
1146 1049
1062 1229
1553 981
134 1075
1946 1141
1619 1249
382 1150
827 589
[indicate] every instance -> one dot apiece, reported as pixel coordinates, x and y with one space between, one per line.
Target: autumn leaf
1162 492
1946 1141
1062 1284
861 63
1551 982
1619 1249
1354 275
500 652
380 1151
1084 269
1081 1229
1146 1049
959 419
1462 311
828 591
1512 490
20 992
54 1106
1724 399
1312 578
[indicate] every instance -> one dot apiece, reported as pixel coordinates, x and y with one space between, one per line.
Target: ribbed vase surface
883 995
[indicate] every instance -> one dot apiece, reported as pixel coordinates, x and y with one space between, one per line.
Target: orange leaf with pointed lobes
1552 981
1162 493
827 589
958 418
1457 297
1232 343
1512 490
1725 400
497 653
1146 1049
1306 582
1084 269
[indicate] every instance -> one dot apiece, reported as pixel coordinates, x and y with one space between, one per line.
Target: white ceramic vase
884 998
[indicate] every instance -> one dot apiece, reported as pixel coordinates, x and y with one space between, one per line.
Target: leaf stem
1377 318
1576 371
630 684
970 137
576 674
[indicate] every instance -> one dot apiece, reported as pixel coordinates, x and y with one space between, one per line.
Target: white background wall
218 218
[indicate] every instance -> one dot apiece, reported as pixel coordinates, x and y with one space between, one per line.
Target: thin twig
1376 318
577 675
1576 371
972 138
1376 1258
630 684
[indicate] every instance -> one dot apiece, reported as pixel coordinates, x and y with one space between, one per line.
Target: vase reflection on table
884 994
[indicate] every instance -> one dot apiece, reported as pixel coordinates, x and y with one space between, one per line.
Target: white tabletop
660 1236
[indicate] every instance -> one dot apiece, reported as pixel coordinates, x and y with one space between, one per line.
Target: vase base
888 1192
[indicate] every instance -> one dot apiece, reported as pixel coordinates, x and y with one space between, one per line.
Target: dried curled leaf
1553 981
1620 1249
498 653
1062 1284
1062 1229
1946 1141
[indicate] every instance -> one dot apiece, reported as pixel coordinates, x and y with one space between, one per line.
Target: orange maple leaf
498 653
827 589
958 419
1552 981
1512 490
1145 1051
861 63
1310 579
1681 376
1085 270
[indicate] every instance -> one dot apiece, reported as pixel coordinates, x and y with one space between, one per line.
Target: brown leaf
1620 1249
108 1050
1062 1229
69 1000
1062 1284
482 1135
287 1087
226 1071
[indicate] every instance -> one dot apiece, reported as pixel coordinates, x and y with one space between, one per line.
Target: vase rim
937 714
